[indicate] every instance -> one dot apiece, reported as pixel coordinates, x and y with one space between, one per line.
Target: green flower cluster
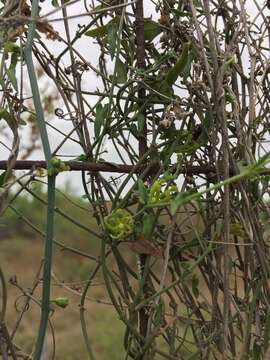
119 223
158 195
57 166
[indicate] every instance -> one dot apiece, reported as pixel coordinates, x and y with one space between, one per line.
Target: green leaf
112 37
187 68
81 157
99 121
256 353
189 244
180 13
163 88
142 192
197 3
195 286
159 314
121 72
266 331
98 32
134 131
2 178
231 265
11 73
141 122
176 203
11 47
265 181
182 199
206 124
104 30
148 225
151 29
4 114
187 148
259 166
228 98
180 66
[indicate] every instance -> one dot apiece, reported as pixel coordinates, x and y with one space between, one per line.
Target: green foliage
143 193
4 114
180 13
100 119
159 314
14 50
151 29
148 224
182 66
121 72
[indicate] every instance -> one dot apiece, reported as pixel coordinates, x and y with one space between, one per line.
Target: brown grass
22 258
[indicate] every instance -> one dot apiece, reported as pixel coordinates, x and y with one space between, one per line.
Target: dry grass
21 257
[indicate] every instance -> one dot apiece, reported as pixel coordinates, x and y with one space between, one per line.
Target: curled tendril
119 223
63 116
18 307
59 113
158 195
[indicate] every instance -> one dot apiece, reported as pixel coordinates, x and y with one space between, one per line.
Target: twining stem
45 302
140 53
3 296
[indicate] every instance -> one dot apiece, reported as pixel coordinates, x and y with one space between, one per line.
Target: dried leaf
46 28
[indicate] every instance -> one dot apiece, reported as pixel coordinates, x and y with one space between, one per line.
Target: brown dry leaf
143 246
46 28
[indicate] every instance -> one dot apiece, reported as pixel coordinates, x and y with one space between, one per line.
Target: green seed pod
61 302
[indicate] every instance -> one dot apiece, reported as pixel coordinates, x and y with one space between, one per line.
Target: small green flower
119 223
158 195
40 172
57 166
